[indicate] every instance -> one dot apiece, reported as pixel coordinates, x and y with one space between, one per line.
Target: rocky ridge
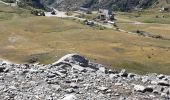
73 77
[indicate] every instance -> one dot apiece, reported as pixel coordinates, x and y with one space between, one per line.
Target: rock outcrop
73 77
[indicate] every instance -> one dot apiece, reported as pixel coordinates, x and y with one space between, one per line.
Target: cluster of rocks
73 77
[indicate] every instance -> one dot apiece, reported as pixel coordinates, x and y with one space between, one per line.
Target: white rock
70 97
131 75
70 90
154 82
152 96
163 94
56 87
48 98
109 91
113 76
62 59
102 69
2 87
161 76
1 62
145 79
86 86
73 59
118 84
12 87
102 88
59 73
77 67
137 77
139 88
117 94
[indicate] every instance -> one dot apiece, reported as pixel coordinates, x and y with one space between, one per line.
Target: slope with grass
46 39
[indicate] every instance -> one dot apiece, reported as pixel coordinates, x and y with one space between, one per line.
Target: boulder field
73 77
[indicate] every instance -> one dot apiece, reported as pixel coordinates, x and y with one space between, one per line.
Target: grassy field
48 39
151 21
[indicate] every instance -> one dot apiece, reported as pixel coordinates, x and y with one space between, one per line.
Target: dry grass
45 38
149 22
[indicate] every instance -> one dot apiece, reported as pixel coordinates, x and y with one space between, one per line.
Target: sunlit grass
48 39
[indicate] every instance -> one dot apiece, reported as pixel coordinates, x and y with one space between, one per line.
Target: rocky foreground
75 78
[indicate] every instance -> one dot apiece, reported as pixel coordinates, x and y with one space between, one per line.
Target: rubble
73 77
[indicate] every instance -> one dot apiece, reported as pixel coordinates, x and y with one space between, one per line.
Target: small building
17 1
105 14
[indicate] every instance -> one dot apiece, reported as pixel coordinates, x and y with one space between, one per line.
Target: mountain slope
123 5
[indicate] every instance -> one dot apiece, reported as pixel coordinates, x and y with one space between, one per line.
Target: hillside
122 5
23 39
